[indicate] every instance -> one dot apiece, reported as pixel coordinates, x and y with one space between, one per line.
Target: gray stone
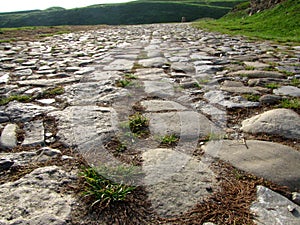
223 99
157 62
34 133
287 90
160 105
23 112
186 124
48 82
229 83
36 199
183 67
85 70
120 65
4 78
72 69
296 197
175 181
5 164
256 74
159 88
26 72
272 161
257 65
47 153
282 122
47 101
269 99
240 90
150 73
8 138
273 208
86 127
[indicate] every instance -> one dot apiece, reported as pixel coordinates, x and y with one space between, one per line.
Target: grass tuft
101 190
19 98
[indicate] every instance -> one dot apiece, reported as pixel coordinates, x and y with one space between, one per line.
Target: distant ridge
136 12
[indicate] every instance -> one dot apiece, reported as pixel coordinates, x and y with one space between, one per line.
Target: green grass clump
280 23
123 83
251 97
101 190
295 82
290 103
169 140
138 123
130 76
19 98
272 86
54 91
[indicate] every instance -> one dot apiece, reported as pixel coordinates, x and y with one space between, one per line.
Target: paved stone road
186 81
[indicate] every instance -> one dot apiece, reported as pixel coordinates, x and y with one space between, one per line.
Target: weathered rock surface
186 124
175 181
275 162
36 198
280 122
272 208
8 137
34 133
288 90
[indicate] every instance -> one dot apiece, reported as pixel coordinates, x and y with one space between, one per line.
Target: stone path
185 81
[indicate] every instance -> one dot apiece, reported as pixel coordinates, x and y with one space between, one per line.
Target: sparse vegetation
295 82
101 190
19 98
123 83
138 124
53 92
169 140
272 86
251 97
290 103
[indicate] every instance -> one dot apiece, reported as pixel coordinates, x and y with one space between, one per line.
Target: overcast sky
19 5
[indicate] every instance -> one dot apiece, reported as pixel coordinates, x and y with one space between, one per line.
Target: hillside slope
279 23
137 12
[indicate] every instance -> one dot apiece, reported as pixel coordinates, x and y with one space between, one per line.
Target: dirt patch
33 33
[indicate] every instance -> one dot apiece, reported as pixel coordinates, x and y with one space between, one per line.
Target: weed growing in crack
53 92
290 103
101 190
295 82
138 124
123 83
19 98
130 76
169 140
272 86
251 97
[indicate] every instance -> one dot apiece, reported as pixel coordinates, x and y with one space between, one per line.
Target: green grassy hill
281 23
136 12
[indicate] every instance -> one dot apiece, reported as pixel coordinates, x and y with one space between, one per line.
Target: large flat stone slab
175 181
159 88
86 128
288 90
23 112
256 74
274 162
225 100
186 124
34 133
281 122
161 105
36 199
8 139
156 62
48 82
273 208
120 65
